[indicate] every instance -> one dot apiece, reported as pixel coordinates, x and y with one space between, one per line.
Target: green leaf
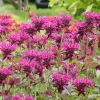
51 3
92 96
89 8
72 5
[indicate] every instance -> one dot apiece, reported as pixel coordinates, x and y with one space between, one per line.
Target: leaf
68 90
98 73
65 4
51 3
92 96
89 8
72 5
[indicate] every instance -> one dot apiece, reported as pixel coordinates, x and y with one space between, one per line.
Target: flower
46 58
4 73
22 97
81 84
50 28
39 39
81 28
27 65
28 28
31 14
6 23
92 19
7 48
13 81
14 38
31 54
47 92
39 22
46 55
69 47
60 80
16 97
71 69
56 37
65 20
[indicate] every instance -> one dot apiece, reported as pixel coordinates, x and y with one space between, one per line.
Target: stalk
28 88
2 90
35 93
39 91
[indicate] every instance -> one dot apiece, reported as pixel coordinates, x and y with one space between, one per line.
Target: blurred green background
73 7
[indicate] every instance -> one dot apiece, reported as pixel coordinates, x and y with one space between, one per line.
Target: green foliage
19 15
76 7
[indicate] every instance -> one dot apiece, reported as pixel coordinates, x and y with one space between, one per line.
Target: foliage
19 15
76 7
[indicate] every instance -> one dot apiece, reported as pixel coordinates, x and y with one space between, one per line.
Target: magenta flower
81 84
38 22
5 24
40 40
60 80
14 38
31 54
46 58
82 28
47 92
71 69
65 20
28 28
27 65
7 48
16 97
13 81
69 47
92 19
69 35
3 29
18 38
24 37
23 97
45 54
50 28
4 73
70 44
56 37
28 98
39 70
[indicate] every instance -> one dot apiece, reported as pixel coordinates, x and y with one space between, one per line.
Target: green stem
39 90
28 86
2 90
35 93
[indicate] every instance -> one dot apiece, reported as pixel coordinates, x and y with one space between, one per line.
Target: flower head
7 48
81 84
4 73
60 80
14 38
28 28
31 54
39 22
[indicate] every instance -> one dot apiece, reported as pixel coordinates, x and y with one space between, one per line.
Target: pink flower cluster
47 54
60 80
18 97
81 84
4 73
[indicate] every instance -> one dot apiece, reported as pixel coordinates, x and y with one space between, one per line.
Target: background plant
75 7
